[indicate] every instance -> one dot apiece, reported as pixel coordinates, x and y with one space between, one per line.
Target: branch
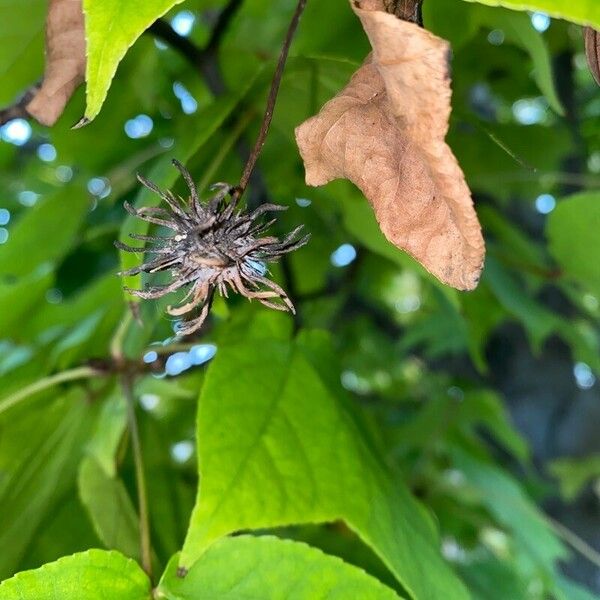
272 99
221 26
206 62
48 382
578 544
204 59
18 110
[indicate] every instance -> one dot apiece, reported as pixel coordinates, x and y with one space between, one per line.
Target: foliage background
485 405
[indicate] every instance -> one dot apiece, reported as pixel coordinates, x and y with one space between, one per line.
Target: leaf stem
272 99
48 382
116 344
578 544
140 477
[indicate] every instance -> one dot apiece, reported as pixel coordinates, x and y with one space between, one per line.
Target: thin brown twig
83 372
271 100
204 59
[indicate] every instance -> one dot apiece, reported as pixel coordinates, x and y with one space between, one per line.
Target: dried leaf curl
65 60
386 132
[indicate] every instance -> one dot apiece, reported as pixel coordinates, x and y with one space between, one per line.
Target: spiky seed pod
215 246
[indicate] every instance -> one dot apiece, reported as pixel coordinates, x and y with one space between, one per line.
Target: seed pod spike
216 247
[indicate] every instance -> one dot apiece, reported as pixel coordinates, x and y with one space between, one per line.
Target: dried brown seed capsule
215 246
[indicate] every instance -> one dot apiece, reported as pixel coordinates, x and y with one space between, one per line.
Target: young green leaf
22 38
93 575
270 568
518 29
109 508
109 431
539 321
585 12
572 230
112 26
18 299
39 464
277 445
45 233
574 474
503 496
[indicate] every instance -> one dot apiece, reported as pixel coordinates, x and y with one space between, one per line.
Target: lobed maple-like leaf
386 132
65 60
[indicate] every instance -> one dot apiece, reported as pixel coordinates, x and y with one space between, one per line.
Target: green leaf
575 473
518 29
111 27
492 579
45 233
109 507
450 19
19 299
584 12
572 230
109 431
484 407
455 21
90 575
101 293
38 461
22 39
537 319
270 568
72 345
569 590
171 489
65 530
517 248
508 503
277 445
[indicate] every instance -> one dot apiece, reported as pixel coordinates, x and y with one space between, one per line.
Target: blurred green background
485 404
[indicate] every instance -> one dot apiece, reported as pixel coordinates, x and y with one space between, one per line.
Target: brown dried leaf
592 51
385 132
403 9
65 60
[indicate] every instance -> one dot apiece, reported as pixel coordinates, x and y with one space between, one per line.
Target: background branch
18 110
